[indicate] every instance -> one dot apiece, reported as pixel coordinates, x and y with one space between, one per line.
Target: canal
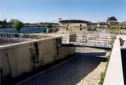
82 69
123 53
24 30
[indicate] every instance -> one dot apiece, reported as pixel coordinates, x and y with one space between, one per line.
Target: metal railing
90 39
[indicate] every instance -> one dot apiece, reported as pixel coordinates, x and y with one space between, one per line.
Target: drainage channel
123 53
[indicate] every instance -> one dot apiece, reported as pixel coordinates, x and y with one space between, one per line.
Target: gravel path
80 70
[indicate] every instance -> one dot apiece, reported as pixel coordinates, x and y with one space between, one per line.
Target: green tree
111 18
48 26
4 23
1 24
18 25
12 21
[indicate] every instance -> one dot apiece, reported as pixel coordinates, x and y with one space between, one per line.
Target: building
102 25
74 25
112 21
123 25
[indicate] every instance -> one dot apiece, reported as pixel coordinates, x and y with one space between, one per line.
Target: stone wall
73 27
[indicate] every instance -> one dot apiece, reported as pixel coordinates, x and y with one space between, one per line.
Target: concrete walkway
80 70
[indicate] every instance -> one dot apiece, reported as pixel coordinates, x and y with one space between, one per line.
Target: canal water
123 53
24 30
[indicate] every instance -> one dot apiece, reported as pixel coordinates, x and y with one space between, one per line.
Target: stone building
112 21
74 25
123 25
102 25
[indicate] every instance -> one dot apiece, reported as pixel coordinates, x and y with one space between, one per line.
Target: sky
50 10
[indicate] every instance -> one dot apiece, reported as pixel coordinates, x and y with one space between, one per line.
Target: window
80 28
80 25
66 28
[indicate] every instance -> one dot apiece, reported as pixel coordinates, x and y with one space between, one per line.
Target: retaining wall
21 35
24 57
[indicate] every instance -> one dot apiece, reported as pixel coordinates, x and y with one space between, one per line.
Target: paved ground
80 70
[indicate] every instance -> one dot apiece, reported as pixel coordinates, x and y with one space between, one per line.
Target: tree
48 26
1 24
4 23
111 18
18 25
12 21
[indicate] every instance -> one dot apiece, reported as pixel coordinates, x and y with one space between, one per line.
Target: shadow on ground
93 54
68 73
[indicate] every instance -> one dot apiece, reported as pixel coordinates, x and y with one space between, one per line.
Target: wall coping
26 42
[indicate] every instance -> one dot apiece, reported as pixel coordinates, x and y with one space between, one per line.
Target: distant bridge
95 40
74 44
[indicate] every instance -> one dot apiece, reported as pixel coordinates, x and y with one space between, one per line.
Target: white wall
114 73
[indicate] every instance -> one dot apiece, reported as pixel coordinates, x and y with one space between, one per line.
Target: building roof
74 21
112 21
99 23
102 23
95 23
123 23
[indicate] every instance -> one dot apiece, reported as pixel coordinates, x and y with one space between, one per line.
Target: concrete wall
66 38
21 35
17 59
66 51
114 73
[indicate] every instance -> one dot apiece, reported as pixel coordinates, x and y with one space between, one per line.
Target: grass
102 76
